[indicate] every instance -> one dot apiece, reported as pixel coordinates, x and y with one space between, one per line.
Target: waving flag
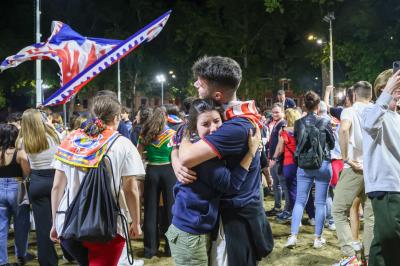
81 58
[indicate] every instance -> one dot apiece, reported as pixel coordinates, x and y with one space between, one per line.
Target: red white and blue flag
81 58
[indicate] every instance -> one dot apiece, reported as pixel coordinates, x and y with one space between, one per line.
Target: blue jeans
329 202
8 207
290 173
305 179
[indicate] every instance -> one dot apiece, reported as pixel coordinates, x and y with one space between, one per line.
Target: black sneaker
23 260
272 212
286 217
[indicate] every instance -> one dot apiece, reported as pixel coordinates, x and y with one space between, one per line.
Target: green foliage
272 5
267 38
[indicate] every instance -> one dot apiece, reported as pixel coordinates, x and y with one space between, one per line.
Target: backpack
93 214
309 152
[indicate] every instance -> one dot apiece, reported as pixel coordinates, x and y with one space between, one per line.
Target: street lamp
328 18
161 79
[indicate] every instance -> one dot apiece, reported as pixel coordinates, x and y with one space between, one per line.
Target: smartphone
396 66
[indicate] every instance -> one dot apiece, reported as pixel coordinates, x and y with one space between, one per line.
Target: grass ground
302 255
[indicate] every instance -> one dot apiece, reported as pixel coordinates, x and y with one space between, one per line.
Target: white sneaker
357 246
291 242
332 227
312 221
319 242
138 262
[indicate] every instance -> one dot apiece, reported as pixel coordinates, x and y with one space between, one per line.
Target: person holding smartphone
381 134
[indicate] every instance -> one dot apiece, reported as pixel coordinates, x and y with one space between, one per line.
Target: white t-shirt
125 160
353 114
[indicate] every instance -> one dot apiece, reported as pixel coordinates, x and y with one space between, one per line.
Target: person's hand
356 166
54 235
270 182
396 95
254 141
134 230
393 83
182 173
272 163
329 89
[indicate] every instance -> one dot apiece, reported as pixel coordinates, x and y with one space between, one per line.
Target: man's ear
218 96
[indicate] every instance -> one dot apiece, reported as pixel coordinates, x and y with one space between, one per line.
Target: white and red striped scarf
245 109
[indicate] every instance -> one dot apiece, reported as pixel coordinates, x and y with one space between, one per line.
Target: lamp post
161 79
320 42
328 18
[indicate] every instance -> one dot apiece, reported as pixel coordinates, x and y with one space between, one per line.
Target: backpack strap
124 222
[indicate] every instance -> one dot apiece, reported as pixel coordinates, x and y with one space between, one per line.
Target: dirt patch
303 254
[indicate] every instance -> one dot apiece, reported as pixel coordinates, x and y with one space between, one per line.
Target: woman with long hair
160 177
13 165
306 176
40 142
142 115
196 205
287 147
81 150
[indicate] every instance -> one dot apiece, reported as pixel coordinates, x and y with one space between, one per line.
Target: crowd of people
196 176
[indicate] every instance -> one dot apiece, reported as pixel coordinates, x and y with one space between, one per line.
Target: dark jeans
159 178
22 225
290 173
385 247
40 187
276 185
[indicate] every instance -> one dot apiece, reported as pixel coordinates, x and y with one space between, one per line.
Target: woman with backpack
40 140
81 151
287 147
314 140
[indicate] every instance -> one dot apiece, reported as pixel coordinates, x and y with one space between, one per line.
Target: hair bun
95 126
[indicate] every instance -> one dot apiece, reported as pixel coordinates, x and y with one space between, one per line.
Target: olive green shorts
188 249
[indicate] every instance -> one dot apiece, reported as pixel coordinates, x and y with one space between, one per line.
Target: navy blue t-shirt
230 142
289 103
123 129
197 204
336 112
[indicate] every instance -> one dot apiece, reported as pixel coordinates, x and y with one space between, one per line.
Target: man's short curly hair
221 72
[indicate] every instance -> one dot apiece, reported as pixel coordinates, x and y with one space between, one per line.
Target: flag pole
38 62
119 81
65 115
